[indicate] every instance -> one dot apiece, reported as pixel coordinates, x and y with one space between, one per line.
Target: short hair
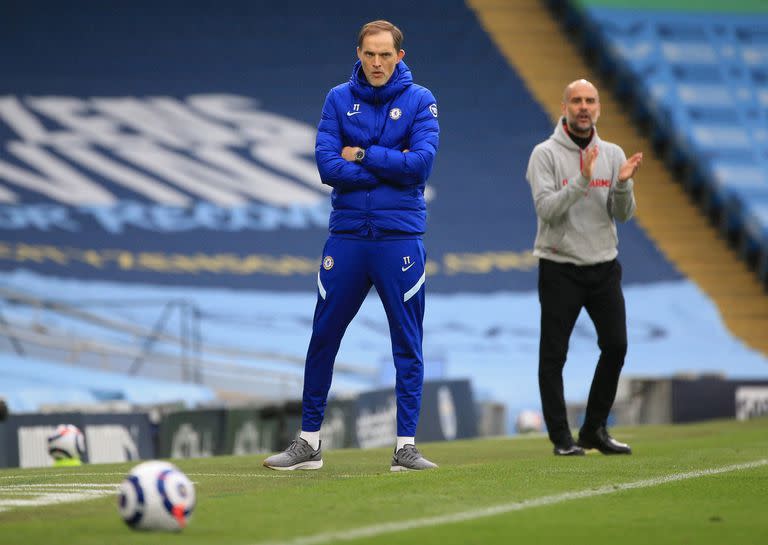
374 27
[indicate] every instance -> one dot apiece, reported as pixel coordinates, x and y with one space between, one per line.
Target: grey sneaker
298 455
409 457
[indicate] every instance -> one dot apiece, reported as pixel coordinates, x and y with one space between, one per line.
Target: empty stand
531 39
701 79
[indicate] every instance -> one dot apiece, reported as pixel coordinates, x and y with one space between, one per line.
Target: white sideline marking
390 527
266 475
47 475
4 487
51 494
282 475
43 494
239 475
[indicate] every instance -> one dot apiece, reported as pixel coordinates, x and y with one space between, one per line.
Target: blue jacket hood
382 196
401 78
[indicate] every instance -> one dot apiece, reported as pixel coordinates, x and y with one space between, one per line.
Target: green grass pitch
696 484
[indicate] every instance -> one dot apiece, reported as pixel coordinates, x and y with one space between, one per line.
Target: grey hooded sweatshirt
575 215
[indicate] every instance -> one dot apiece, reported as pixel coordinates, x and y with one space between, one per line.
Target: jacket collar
562 138
401 78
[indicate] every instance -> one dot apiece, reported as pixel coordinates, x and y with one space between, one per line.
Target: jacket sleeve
550 202
413 167
334 170
621 199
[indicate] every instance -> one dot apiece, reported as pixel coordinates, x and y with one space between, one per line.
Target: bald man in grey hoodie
580 185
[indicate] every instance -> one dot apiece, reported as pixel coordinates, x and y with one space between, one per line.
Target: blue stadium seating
28 383
701 81
755 216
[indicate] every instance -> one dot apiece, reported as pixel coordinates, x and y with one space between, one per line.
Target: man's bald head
580 84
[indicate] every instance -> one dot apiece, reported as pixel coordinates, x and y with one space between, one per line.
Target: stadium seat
701 81
30 383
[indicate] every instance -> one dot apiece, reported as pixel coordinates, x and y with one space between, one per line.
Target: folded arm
411 166
336 171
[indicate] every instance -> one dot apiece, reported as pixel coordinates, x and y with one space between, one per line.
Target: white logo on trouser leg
411 292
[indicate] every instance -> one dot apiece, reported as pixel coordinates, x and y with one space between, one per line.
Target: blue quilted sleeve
415 166
336 171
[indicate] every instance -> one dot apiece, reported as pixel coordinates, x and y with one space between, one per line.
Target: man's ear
400 55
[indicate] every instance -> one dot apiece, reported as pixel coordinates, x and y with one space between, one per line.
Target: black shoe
568 450
602 441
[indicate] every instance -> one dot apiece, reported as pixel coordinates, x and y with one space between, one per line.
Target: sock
311 437
402 441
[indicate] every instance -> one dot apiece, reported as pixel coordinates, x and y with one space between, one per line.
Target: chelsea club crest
395 113
327 263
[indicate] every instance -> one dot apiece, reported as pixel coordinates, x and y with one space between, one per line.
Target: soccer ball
66 443
156 496
529 421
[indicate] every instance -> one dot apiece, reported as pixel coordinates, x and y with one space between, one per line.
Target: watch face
359 155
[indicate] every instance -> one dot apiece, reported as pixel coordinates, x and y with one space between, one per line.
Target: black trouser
563 290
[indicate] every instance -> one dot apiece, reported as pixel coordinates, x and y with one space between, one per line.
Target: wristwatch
359 156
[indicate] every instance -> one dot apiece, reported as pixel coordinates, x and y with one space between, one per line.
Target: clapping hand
588 162
629 168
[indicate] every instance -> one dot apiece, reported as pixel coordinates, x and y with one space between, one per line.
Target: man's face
379 57
581 108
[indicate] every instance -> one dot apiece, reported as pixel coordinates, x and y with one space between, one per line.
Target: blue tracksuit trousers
348 270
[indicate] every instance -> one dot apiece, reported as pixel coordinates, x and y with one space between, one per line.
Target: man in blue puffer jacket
376 143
